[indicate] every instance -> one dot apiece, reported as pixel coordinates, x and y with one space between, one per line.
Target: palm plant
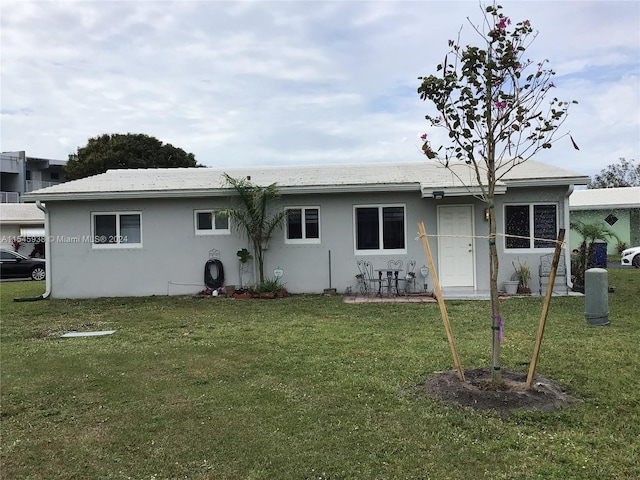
253 218
590 233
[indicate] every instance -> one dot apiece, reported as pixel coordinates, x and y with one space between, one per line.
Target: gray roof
21 213
605 198
410 176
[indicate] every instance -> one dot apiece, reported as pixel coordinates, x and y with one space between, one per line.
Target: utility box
596 297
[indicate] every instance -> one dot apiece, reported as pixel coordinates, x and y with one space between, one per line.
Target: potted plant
523 275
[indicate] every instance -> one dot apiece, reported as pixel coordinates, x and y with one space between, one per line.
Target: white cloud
292 82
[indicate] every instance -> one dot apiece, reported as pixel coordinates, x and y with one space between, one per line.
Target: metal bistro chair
369 284
363 281
409 281
375 282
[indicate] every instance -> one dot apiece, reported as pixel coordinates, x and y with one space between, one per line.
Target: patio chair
409 280
368 283
544 271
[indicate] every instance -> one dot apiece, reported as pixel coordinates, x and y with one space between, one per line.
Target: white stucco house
149 232
617 208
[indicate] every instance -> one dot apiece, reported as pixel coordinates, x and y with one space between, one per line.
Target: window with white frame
302 225
211 222
527 226
116 229
380 228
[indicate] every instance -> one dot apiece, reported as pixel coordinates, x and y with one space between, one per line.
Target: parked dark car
16 265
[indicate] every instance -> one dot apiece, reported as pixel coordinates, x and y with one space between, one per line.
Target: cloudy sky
303 82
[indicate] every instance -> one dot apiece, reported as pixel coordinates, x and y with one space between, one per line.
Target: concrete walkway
447 294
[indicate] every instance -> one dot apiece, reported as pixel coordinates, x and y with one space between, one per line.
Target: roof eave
218 192
429 191
547 182
604 207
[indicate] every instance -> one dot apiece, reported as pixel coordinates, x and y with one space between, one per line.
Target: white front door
456 265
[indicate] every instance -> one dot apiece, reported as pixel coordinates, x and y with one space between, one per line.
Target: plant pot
511 287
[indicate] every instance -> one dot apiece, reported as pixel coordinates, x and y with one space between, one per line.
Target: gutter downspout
47 259
567 226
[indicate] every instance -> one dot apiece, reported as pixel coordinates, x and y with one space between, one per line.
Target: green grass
306 387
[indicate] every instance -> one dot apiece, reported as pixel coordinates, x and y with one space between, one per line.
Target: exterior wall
9 232
172 257
624 227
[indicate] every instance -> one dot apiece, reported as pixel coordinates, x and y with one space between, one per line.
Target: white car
631 256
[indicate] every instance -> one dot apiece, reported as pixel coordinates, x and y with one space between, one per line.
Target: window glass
204 221
380 228
294 223
530 225
367 228
117 228
312 223
211 222
130 228
105 229
393 218
303 225
544 225
222 221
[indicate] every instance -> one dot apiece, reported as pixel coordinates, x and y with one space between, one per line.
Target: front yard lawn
306 387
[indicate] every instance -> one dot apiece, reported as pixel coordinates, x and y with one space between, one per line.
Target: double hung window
380 228
530 226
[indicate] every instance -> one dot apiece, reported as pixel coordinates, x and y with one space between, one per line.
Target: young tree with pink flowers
492 101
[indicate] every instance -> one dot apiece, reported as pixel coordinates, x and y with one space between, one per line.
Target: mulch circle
478 392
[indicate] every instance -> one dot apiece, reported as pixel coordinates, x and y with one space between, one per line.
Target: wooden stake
545 309
443 309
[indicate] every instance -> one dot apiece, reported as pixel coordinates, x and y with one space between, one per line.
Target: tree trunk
496 372
257 247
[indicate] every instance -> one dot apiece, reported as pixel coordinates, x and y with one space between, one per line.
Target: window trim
213 230
381 250
531 248
118 244
304 239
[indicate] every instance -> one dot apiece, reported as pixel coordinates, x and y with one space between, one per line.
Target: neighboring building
150 231
618 208
21 174
21 222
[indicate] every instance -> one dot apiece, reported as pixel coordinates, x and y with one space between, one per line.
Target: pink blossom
500 105
481 152
526 22
552 85
423 136
504 21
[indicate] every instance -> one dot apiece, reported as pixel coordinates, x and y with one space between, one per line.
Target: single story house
23 223
617 208
151 231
